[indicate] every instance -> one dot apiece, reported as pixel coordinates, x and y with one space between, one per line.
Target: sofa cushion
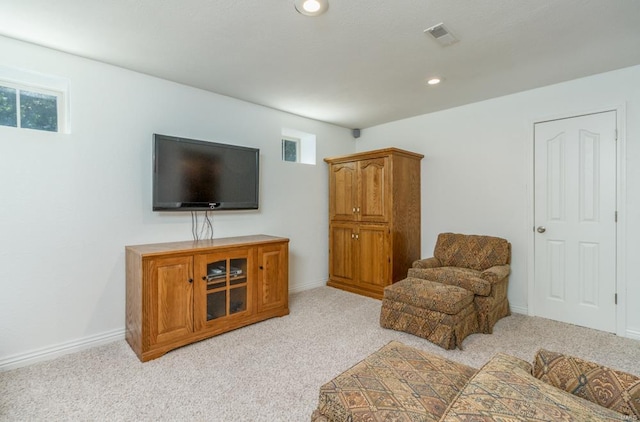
396 383
504 390
462 277
471 251
427 294
607 387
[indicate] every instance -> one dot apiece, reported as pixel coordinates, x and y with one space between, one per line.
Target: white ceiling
363 63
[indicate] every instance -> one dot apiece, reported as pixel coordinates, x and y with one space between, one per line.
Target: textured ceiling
363 63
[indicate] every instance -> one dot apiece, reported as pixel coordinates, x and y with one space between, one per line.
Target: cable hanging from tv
202 230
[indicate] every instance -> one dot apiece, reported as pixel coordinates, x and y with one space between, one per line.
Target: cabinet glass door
224 286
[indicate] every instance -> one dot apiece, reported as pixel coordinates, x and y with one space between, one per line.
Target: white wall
476 174
71 202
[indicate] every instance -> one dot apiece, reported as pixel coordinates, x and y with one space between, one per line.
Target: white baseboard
300 287
51 352
635 335
519 309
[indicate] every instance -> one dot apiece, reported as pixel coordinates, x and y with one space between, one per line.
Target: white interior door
575 220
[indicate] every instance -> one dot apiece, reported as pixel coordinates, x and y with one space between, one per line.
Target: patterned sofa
403 384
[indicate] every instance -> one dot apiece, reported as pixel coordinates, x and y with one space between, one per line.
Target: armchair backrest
472 251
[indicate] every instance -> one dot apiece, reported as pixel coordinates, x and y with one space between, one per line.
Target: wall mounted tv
192 175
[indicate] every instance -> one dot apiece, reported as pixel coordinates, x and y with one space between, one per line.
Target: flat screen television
194 175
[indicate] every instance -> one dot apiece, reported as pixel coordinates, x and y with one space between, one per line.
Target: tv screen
193 175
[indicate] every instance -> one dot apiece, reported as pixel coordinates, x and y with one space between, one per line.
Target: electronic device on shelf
220 271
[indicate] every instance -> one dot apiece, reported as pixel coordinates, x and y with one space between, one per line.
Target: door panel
575 203
272 277
343 180
342 252
373 190
373 246
171 284
223 286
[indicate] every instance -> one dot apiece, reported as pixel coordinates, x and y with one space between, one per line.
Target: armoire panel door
342 252
343 190
374 256
374 190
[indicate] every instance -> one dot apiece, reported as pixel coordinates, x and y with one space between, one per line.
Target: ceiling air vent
441 34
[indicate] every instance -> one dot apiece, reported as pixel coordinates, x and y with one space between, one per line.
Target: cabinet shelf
221 283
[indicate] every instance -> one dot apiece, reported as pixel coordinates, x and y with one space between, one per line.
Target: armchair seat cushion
466 278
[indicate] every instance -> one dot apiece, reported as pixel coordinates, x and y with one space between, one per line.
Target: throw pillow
504 390
612 389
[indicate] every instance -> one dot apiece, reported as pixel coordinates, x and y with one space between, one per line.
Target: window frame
20 87
27 80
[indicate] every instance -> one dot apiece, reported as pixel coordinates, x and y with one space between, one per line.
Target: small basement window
32 101
298 147
28 108
290 150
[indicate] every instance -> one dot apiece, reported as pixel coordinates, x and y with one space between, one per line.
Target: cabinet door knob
204 278
190 280
261 267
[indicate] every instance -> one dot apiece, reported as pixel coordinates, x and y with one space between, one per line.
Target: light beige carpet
269 371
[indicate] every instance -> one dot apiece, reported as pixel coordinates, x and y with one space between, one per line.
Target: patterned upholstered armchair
476 263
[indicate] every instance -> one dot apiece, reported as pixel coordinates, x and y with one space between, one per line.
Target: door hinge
616 134
615 298
616 216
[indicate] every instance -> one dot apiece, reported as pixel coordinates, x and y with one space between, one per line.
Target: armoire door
374 190
374 257
343 189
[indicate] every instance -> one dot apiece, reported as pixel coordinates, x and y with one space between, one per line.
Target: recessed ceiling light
434 81
311 7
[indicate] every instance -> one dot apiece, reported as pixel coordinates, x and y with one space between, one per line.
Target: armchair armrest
496 273
427 263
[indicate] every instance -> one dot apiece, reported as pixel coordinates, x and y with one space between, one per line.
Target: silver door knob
541 229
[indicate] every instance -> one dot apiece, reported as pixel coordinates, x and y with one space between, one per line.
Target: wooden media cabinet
182 292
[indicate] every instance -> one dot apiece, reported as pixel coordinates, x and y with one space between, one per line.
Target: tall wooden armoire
374 219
